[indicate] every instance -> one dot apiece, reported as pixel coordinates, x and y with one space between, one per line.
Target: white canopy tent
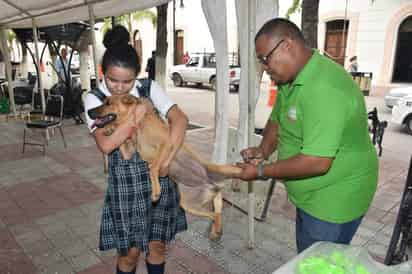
19 13
251 14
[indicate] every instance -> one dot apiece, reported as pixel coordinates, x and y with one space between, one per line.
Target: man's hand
252 155
249 171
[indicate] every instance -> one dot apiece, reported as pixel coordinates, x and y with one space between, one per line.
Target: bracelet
260 172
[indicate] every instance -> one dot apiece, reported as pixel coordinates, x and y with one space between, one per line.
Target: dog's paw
215 236
155 197
108 131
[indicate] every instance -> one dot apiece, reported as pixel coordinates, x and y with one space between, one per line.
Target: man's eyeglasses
265 59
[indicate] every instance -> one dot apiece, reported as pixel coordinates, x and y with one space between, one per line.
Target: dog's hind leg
216 231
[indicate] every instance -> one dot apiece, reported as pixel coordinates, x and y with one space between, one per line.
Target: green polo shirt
323 113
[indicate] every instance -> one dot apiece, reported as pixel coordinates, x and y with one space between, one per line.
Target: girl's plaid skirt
129 217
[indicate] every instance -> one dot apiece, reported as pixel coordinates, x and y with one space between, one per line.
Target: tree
295 7
161 44
310 18
126 20
11 43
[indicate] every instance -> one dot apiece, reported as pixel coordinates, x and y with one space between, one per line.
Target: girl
130 222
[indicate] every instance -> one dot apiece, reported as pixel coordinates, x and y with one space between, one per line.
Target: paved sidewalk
50 210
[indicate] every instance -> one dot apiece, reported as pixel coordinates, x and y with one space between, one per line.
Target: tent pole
7 61
96 71
37 55
251 111
92 23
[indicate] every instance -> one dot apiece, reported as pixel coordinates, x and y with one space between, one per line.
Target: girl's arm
107 144
178 123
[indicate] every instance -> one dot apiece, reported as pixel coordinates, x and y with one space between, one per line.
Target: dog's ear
128 100
107 101
94 113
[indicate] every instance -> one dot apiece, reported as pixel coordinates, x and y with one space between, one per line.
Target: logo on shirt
292 116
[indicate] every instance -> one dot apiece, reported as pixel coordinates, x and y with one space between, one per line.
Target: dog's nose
93 113
103 121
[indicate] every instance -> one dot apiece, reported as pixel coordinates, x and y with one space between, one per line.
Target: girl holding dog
130 222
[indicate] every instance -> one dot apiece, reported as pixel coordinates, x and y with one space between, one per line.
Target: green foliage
10 36
124 19
145 14
296 5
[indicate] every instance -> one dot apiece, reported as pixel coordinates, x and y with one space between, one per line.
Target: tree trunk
23 65
161 45
130 26
310 18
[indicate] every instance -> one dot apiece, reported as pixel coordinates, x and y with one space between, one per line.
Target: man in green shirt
319 127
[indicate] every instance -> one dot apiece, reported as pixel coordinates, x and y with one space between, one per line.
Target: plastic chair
52 119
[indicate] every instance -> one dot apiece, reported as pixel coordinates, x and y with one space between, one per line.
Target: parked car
402 113
395 94
201 69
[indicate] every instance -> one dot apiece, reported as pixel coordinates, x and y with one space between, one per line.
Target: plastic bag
330 258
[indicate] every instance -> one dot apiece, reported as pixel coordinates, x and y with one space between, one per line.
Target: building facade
378 32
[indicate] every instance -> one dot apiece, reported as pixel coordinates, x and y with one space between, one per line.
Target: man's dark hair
281 28
118 51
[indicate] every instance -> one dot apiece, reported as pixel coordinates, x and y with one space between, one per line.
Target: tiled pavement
50 213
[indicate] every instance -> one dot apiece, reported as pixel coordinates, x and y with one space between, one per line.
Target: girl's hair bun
115 37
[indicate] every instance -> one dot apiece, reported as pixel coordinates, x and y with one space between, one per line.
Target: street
51 204
198 104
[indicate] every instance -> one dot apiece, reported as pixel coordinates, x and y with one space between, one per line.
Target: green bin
363 80
4 105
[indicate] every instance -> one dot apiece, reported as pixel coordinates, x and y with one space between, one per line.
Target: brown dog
153 144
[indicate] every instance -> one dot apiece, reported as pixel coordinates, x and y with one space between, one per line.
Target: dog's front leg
155 165
216 230
127 149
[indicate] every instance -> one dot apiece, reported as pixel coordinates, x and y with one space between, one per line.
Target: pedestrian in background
186 57
353 65
61 65
151 66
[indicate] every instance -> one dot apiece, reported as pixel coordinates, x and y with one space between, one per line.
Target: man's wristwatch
260 172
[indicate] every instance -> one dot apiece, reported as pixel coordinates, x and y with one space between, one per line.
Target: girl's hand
136 114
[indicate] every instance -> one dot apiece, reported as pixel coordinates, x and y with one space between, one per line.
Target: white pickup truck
201 69
402 113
